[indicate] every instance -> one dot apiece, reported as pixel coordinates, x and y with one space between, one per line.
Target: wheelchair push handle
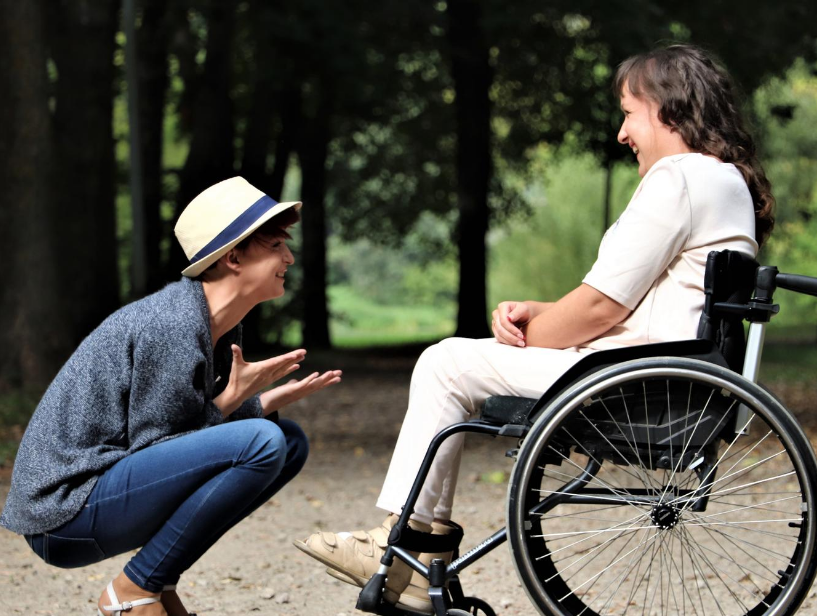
797 283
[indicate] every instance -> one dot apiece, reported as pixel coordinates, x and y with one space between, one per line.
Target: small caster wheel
472 606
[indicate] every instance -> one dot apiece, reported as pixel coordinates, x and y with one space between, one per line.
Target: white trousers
450 382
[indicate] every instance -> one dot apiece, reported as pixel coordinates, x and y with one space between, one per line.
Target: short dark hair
275 228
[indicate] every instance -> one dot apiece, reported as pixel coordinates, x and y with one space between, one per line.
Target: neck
226 305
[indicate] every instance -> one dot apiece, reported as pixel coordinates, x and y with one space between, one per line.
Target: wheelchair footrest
417 541
502 410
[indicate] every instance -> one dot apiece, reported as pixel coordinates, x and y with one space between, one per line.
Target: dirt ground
255 568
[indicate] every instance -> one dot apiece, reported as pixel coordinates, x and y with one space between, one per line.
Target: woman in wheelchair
702 190
153 434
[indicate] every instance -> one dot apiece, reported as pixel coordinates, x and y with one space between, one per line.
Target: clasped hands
248 378
508 321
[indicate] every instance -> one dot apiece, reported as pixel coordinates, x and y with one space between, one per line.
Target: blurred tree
33 336
208 104
82 36
476 90
333 72
472 76
392 109
153 39
754 38
272 111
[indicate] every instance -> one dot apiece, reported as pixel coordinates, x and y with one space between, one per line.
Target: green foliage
358 322
786 108
388 295
416 273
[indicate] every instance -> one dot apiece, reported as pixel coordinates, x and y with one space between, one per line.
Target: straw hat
220 217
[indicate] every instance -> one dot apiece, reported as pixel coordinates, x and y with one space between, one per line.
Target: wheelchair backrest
730 278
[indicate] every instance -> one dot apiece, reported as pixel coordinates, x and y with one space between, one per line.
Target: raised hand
248 378
288 393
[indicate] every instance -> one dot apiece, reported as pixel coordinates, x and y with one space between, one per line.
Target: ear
232 260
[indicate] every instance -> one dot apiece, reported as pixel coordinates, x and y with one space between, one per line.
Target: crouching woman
154 435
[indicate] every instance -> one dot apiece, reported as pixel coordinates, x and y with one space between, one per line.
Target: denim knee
297 445
265 446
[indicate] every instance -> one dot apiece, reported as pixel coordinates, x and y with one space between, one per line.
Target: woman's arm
278 397
581 315
509 317
248 378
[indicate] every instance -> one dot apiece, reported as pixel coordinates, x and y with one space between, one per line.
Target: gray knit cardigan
147 374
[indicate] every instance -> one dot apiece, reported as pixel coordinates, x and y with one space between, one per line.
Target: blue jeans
177 498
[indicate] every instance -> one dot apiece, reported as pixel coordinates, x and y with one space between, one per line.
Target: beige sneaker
415 595
357 555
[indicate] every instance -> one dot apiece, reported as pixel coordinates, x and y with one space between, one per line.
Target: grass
359 323
791 362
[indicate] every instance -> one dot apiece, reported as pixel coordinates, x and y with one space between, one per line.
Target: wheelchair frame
516 417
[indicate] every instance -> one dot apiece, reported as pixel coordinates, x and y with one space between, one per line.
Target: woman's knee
264 445
297 444
444 358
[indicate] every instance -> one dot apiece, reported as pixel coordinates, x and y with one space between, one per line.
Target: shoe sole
412 604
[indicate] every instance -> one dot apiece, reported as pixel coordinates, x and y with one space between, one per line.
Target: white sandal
126 606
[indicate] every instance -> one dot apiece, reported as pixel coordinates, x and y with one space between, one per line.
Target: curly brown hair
696 97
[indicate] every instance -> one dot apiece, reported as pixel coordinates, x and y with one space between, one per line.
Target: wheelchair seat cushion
503 410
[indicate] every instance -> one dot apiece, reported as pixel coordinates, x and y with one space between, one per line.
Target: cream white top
652 259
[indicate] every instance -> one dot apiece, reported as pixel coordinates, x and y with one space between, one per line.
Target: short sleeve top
652 259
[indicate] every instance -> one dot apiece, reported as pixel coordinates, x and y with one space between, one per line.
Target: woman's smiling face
649 138
265 264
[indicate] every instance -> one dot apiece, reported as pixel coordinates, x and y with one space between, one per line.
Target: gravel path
255 568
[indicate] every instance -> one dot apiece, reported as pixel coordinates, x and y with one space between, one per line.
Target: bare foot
126 590
173 604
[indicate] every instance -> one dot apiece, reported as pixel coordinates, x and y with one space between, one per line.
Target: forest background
449 154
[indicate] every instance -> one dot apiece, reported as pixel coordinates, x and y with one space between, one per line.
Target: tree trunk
285 143
152 49
31 336
313 146
83 48
254 167
264 102
212 155
472 80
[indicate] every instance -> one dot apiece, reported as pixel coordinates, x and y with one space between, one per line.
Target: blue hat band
236 228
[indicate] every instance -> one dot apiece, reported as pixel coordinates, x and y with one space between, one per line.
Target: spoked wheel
665 486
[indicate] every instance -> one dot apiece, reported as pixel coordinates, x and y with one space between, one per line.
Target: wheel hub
665 516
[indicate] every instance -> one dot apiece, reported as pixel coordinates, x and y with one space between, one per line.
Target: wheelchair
658 479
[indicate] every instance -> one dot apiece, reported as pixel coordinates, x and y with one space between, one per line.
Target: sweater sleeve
169 384
249 409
